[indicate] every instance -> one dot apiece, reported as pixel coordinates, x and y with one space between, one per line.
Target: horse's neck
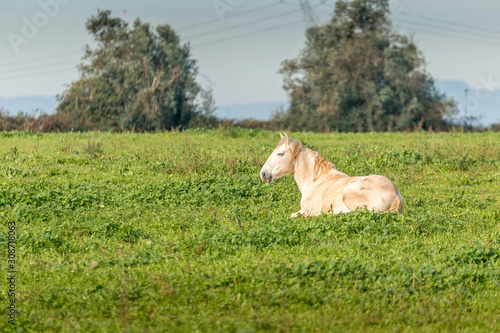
304 167
304 172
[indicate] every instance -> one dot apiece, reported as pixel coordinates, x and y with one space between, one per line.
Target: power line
54 56
457 33
233 15
464 32
26 64
494 32
256 32
323 2
248 34
14 63
242 24
451 29
25 71
44 72
451 33
54 70
33 66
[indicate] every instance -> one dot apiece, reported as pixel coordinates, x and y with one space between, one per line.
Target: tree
135 78
356 74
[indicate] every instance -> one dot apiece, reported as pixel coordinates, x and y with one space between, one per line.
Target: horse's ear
281 136
287 141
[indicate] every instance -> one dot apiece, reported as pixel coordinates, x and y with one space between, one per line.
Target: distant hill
482 103
47 104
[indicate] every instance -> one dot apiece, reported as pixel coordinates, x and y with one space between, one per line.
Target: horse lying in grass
323 187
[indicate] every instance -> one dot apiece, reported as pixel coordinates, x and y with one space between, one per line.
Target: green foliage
355 75
495 127
136 78
175 232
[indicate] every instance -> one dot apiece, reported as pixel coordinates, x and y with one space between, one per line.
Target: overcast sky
239 44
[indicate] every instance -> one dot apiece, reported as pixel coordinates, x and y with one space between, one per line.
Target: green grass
175 232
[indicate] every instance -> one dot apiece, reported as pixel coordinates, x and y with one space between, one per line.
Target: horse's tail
397 204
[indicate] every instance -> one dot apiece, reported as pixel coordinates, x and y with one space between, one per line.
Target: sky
239 44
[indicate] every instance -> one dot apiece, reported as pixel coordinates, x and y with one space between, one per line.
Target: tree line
354 74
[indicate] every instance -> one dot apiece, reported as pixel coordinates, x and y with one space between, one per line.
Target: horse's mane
321 165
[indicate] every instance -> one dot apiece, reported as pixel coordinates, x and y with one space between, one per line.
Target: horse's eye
281 154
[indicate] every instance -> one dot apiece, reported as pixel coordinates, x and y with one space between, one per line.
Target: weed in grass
94 149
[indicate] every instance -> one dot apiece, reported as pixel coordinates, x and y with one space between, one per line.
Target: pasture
175 232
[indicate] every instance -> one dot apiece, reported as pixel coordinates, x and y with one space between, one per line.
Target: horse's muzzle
266 176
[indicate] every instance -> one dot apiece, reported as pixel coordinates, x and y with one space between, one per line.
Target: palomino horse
323 187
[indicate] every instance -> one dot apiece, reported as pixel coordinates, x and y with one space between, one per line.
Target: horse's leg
305 213
300 212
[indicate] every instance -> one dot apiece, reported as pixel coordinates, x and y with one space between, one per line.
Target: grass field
175 232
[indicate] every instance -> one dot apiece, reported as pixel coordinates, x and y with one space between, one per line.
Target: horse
324 189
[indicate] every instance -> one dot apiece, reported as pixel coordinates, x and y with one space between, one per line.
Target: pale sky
239 44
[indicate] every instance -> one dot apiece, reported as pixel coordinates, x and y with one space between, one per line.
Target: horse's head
281 162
